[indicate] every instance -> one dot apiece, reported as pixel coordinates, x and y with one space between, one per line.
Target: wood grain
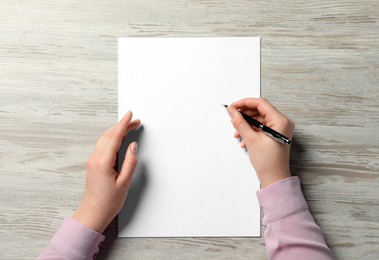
58 79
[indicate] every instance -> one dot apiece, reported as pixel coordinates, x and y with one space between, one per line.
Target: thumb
129 165
240 124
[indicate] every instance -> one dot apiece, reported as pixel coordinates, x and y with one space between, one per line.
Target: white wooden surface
58 80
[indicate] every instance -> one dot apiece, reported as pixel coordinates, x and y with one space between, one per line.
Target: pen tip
224 105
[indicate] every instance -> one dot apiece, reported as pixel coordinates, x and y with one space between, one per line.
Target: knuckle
286 122
106 133
292 124
110 132
132 162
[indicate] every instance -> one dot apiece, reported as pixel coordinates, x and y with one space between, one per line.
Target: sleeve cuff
281 199
76 241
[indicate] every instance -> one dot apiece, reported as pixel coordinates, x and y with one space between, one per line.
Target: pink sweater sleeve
73 241
291 232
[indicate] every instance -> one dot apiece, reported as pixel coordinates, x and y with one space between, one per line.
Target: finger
116 129
260 104
128 166
110 142
239 123
122 126
250 112
133 125
236 135
243 145
269 115
254 114
117 132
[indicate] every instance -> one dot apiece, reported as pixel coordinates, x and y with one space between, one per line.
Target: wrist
87 219
273 177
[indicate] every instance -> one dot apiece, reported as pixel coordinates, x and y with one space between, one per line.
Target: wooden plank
58 79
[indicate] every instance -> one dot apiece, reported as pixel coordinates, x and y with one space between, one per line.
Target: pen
265 129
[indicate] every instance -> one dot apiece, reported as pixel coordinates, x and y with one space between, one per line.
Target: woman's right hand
269 158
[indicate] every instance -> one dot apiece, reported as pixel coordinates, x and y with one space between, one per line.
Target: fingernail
133 147
128 113
123 118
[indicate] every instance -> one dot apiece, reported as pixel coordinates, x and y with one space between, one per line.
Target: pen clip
277 138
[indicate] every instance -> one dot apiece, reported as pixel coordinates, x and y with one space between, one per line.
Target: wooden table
58 79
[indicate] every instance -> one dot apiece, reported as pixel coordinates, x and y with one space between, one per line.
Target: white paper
193 179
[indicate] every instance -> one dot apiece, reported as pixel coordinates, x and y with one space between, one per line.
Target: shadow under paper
139 180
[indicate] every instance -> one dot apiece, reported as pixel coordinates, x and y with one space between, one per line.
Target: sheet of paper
193 179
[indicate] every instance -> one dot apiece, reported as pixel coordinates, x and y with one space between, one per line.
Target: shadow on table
297 157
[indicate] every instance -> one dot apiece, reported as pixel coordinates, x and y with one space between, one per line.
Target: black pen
265 129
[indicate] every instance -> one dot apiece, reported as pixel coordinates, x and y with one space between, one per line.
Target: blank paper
192 179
